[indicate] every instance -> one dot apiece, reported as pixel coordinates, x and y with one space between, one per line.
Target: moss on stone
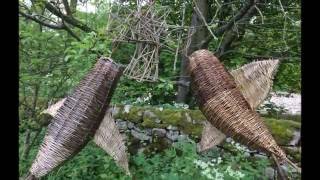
135 114
283 116
169 116
282 130
197 115
194 130
149 122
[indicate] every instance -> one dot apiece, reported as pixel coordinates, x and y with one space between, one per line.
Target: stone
140 135
137 129
228 140
114 110
122 125
172 135
183 137
148 132
150 115
140 113
260 156
130 125
141 150
127 108
170 127
188 118
269 173
295 139
284 168
159 132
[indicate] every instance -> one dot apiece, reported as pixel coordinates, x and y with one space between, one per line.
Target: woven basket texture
225 107
78 118
254 80
109 138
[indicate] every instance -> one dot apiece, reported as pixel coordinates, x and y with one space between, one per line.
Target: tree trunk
73 6
198 33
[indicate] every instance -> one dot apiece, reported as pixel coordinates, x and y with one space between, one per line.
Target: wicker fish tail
78 118
254 80
225 107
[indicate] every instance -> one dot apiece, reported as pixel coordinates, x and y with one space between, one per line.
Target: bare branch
71 32
31 17
68 19
197 10
67 7
243 15
237 17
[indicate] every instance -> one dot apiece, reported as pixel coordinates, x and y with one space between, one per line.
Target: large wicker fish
78 119
225 107
254 80
107 136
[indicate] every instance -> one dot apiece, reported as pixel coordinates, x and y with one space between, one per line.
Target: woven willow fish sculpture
225 107
107 136
254 80
78 119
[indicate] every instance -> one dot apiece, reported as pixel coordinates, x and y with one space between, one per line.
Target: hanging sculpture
145 27
78 118
254 80
107 136
226 108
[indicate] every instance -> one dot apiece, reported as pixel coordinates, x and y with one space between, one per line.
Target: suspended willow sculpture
145 28
225 107
254 80
107 136
78 119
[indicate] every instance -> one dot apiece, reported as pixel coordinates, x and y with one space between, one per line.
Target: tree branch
58 27
68 19
245 12
229 37
67 7
237 17
71 32
31 17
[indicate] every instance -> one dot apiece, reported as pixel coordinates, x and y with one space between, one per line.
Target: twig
177 50
262 17
204 20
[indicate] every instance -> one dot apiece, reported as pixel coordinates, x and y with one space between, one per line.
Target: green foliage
51 63
155 93
180 161
278 36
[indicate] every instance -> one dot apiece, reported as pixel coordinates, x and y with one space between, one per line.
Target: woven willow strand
254 80
109 139
78 118
107 136
53 109
225 107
